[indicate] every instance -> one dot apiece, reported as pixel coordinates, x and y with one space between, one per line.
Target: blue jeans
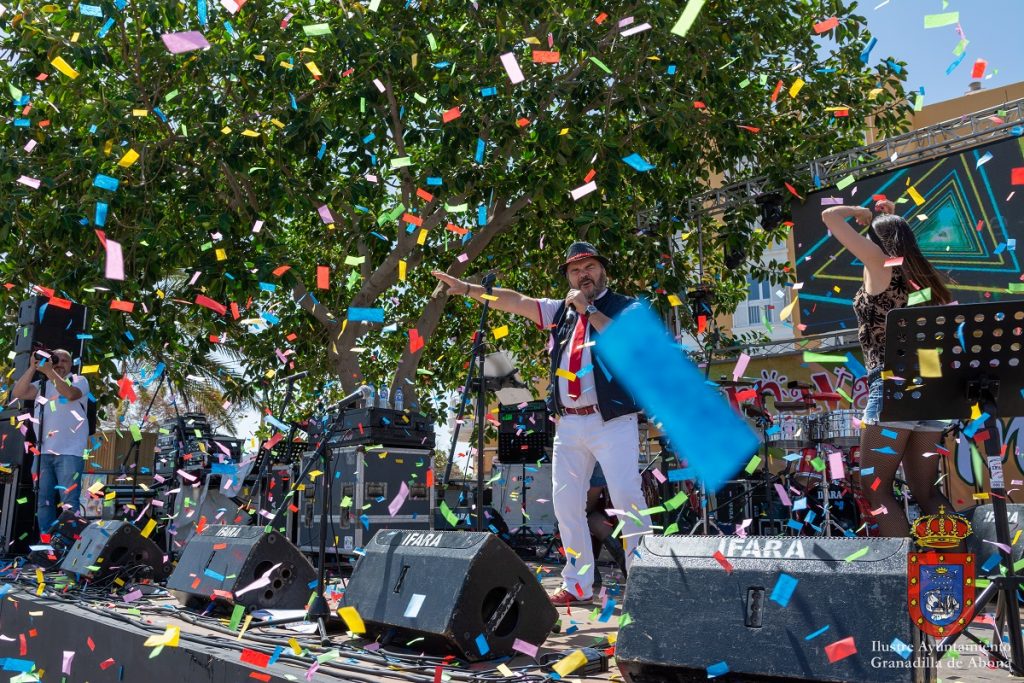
60 477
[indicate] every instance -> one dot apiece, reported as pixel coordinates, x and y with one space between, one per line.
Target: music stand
978 347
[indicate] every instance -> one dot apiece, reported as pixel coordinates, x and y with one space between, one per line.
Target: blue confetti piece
606 613
865 55
22 123
323 150
900 648
490 91
960 335
896 67
956 62
648 363
224 468
368 315
295 105
680 474
671 70
1017 131
889 434
274 657
783 590
105 29
985 158
365 521
434 181
855 366
638 163
90 10
991 563
101 214
231 30
213 575
812 636
19 665
201 12
887 450
369 138
718 669
270 317
795 525
481 215
481 644
105 182
268 287
479 156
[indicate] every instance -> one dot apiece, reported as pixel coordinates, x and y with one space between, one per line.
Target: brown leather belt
585 410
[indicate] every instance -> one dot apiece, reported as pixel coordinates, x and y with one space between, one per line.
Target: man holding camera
62 431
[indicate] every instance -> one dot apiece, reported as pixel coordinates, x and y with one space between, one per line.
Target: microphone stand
319 611
37 465
263 464
476 367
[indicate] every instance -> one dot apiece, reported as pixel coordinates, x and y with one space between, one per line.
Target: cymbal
789 406
734 383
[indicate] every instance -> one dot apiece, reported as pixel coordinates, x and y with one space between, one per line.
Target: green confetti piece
818 464
676 501
846 182
686 19
236 617
601 64
456 208
940 20
811 357
856 555
672 528
1015 287
136 432
328 656
839 390
960 47
752 465
317 29
22 501
432 42
653 511
401 162
625 620
448 515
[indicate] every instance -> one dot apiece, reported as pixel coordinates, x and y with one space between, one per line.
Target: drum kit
808 478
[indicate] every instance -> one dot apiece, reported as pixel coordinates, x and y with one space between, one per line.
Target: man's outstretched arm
508 300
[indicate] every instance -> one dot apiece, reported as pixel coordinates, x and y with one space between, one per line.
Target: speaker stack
461 592
50 322
842 619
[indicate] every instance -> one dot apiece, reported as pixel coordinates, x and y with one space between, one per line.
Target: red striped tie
576 356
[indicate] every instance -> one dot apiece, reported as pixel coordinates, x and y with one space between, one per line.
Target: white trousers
580 441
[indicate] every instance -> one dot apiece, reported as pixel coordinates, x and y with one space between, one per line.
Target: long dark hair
893 235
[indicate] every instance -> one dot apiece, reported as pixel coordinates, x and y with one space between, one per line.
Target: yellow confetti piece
794 89
352 619
489 297
566 665
915 195
87 369
421 238
505 671
148 529
129 158
402 266
929 362
225 130
500 332
140 112
313 69
788 310
561 372
64 67
250 133
221 255
168 638
674 300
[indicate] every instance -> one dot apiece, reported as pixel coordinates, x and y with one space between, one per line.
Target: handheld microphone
364 392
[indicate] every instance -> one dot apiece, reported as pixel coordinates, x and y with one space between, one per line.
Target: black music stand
979 351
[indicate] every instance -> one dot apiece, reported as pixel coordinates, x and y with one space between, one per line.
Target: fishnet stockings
920 473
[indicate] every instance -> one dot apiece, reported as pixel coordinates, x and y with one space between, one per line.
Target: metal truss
831 341
886 155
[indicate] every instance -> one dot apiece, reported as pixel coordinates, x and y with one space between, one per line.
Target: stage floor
103 639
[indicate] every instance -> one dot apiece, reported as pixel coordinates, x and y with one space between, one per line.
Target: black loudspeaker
244 565
462 592
983 528
113 548
53 323
689 614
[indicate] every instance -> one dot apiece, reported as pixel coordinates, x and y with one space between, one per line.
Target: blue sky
993 28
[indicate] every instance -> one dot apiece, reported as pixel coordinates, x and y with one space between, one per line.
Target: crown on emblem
941 530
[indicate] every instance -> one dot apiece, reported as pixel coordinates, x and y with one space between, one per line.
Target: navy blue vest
612 398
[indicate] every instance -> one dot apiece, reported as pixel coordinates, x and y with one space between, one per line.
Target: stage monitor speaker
18 501
690 613
462 592
244 565
42 322
112 548
983 528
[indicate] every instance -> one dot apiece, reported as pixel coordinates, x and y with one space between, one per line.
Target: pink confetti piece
396 504
185 41
741 366
325 214
31 182
515 74
526 648
115 261
583 190
1002 546
835 465
783 496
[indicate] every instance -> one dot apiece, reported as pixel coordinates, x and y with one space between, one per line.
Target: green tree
346 145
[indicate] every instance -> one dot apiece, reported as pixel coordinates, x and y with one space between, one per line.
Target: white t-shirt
588 388
64 422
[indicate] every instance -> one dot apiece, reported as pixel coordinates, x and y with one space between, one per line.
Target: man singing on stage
63 431
596 417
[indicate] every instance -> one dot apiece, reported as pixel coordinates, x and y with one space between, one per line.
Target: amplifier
525 433
385 427
371 489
